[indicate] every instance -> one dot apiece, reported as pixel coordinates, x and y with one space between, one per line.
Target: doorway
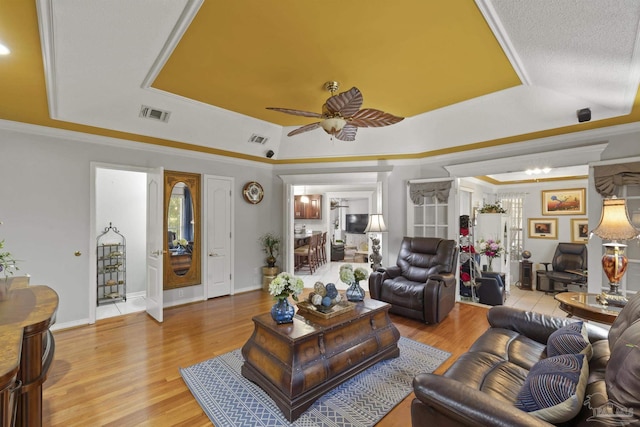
120 201
363 184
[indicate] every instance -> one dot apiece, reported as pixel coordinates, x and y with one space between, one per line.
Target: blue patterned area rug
229 399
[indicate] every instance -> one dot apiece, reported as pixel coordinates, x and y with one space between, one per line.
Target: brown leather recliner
422 285
480 388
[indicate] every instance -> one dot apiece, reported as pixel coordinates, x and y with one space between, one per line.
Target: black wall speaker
270 154
584 115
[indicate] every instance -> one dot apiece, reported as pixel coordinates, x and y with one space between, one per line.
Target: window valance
608 177
439 190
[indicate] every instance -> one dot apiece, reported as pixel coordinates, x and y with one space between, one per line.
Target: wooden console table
26 352
298 362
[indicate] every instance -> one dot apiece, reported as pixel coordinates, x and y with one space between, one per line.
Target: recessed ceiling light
4 50
537 171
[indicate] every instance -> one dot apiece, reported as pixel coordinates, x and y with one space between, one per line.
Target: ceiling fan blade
305 128
346 103
296 112
348 133
370 117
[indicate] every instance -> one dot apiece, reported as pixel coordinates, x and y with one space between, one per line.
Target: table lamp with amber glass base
615 225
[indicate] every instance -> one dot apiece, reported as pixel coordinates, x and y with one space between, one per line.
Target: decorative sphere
526 254
319 289
326 301
331 290
316 300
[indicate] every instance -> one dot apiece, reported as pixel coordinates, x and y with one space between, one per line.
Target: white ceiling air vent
258 139
154 114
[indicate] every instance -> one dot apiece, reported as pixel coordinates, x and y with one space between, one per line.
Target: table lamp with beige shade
377 226
615 225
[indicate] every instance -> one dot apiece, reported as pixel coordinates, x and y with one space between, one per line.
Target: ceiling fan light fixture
333 125
340 109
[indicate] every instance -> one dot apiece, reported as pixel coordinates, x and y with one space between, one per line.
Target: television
356 223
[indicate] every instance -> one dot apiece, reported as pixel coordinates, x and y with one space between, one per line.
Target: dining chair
306 255
322 248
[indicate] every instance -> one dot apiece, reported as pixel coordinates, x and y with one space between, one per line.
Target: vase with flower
352 278
283 286
491 249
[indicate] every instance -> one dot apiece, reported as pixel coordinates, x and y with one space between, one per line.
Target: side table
526 275
586 306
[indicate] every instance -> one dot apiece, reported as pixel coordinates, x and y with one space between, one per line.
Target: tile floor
329 273
133 304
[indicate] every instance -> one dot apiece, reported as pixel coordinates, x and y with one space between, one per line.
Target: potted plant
492 208
7 266
270 245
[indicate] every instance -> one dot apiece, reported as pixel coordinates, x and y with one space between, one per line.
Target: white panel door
218 214
155 241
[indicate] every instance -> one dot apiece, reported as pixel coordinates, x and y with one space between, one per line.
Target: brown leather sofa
422 285
480 388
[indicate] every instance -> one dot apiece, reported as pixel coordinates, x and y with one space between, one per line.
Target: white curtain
513 203
439 190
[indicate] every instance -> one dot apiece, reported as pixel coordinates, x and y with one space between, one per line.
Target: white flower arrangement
180 242
348 275
286 284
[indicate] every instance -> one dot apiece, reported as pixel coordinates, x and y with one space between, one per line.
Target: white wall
121 199
46 209
542 250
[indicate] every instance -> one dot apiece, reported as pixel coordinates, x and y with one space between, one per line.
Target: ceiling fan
335 204
341 115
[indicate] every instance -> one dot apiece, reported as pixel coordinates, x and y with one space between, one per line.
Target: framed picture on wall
543 228
564 202
579 230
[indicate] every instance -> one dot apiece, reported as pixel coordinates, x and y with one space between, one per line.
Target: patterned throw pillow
555 387
572 339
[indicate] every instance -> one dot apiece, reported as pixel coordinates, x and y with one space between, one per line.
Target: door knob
213 254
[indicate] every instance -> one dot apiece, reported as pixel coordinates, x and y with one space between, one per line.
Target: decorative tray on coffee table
342 307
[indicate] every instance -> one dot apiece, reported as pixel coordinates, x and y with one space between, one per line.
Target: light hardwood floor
123 371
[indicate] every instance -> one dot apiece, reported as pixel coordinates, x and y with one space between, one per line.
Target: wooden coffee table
586 306
298 362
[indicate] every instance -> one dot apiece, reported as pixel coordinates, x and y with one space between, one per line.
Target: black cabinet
337 252
526 275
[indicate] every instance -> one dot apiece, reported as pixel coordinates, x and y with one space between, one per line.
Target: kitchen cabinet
310 209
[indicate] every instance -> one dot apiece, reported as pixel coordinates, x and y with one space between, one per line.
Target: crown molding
69 135
45 23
